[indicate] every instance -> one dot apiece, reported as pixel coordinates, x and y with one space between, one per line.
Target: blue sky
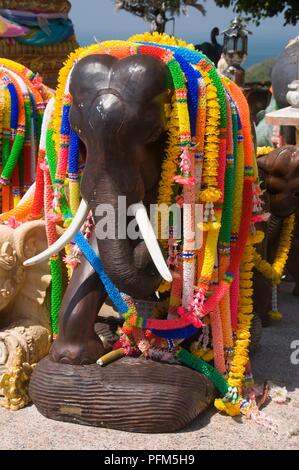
98 18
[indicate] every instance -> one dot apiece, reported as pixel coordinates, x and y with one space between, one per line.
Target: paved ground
27 429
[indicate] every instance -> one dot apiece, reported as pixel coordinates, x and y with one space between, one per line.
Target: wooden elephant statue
156 126
279 172
25 330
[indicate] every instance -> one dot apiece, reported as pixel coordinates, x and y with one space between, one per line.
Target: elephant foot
76 353
130 394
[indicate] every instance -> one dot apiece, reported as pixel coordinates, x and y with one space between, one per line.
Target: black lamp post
235 48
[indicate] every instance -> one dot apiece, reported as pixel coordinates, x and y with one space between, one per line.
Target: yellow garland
169 165
264 151
62 78
275 315
164 287
245 315
274 271
210 172
211 147
210 249
204 354
15 66
159 38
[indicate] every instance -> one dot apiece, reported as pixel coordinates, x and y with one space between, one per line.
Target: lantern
235 47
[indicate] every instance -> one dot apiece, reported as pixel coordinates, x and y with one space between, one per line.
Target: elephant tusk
68 235
139 212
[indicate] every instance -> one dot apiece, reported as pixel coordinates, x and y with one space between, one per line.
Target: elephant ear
90 75
30 239
281 162
140 78
263 164
268 163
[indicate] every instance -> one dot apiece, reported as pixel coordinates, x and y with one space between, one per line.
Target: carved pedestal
134 395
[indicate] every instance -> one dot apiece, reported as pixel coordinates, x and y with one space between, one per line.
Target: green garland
56 292
204 368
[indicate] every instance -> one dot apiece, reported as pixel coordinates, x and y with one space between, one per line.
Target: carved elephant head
22 293
21 285
279 172
118 110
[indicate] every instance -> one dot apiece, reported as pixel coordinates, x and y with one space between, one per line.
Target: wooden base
130 394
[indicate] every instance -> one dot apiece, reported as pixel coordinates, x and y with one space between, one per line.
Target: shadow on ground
272 359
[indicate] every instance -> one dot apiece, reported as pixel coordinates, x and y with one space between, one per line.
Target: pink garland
217 336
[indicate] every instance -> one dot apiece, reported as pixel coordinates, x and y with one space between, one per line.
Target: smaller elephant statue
279 173
212 49
25 330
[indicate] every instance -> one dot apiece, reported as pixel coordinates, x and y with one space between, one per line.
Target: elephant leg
77 342
262 297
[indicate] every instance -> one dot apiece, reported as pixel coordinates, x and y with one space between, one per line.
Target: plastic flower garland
208 159
274 271
23 98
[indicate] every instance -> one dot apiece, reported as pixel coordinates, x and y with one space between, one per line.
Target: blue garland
73 154
179 333
97 265
14 114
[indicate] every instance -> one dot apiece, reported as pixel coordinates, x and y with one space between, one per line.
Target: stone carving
14 383
25 331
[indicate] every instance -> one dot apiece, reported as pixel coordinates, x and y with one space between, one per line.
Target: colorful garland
23 100
22 105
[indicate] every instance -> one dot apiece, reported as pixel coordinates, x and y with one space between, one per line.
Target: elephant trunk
128 262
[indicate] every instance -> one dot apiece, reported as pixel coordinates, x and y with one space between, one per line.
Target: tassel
275 314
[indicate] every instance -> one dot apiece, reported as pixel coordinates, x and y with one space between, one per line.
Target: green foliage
260 9
144 7
260 72
157 11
